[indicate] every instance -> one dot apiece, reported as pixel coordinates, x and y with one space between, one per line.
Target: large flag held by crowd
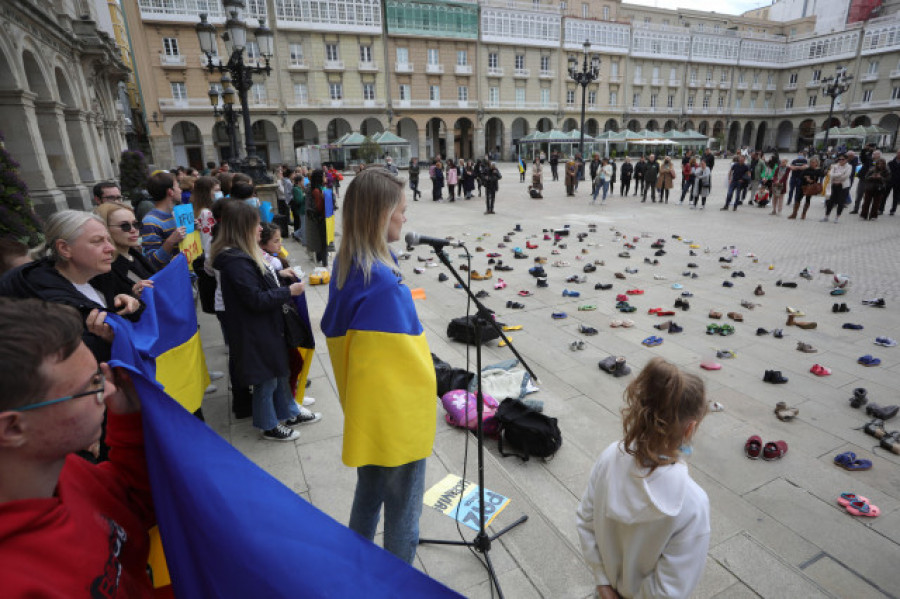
228 528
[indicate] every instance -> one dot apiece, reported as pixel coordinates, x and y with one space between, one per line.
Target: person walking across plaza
382 365
642 521
414 178
554 165
840 187
491 180
738 177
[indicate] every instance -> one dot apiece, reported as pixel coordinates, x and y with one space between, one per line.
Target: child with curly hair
643 522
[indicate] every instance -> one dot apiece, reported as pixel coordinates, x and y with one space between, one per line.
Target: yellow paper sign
191 248
458 499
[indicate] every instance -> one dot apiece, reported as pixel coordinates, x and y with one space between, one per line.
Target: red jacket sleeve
127 462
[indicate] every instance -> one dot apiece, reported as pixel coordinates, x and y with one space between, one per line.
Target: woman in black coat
254 321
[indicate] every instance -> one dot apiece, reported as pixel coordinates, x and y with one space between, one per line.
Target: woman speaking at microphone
382 365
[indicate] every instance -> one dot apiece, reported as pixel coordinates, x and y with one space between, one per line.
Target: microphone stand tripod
481 542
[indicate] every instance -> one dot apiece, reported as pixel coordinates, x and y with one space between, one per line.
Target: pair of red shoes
635 292
531 246
773 450
819 370
660 312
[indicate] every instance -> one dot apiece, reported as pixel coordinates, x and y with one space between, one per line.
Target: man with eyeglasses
69 528
107 191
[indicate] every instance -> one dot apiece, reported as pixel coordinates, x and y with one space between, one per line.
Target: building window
462 57
585 10
873 67
812 101
793 79
867 96
613 98
638 71
895 93
817 74
336 91
753 102
331 52
670 101
737 103
771 79
493 60
258 93
545 96
368 91
755 78
179 92
653 98
520 62
253 50
301 94
462 93
721 102
655 74
520 96
614 68
434 56
705 101
402 55
724 78
636 100
766 103
788 103
434 93
545 63
170 46
296 54
365 54
592 98
690 102
404 92
570 97
673 74
709 75
606 13
494 96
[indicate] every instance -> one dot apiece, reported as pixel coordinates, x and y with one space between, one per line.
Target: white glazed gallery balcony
171 60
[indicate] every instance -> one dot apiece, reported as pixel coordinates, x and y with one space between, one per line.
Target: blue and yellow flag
167 335
329 215
383 369
305 351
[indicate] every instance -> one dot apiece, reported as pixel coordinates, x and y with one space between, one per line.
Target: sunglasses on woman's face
127 227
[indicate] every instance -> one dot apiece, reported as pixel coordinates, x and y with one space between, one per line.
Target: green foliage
133 172
614 153
369 151
18 220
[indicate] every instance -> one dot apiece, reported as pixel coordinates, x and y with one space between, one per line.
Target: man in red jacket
68 528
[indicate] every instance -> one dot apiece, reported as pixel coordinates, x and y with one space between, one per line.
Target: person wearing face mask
202 200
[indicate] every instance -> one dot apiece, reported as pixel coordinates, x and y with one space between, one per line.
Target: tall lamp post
241 74
833 87
584 77
227 113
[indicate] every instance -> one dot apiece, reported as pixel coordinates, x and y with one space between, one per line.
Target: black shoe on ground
482 294
882 412
542 282
280 433
442 277
603 286
304 417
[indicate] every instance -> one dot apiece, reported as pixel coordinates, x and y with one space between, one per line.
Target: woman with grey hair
76 270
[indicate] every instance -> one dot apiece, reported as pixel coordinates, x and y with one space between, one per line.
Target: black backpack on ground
528 432
462 329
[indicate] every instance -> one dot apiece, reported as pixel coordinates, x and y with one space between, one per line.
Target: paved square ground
777 530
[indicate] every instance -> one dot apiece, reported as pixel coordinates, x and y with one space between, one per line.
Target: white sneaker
215 375
824 220
835 220
308 401
211 389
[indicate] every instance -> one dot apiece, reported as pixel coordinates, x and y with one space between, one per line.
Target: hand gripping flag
231 530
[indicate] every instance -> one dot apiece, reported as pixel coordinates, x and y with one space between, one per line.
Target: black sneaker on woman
304 417
280 433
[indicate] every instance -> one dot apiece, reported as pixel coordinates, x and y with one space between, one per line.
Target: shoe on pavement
280 433
304 417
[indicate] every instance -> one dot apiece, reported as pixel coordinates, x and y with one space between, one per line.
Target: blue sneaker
559 315
567 293
677 286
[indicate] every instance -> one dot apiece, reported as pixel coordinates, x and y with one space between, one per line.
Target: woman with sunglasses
131 268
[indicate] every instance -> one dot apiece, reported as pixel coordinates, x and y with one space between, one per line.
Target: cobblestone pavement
777 530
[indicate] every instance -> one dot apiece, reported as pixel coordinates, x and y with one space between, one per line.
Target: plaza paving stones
777 530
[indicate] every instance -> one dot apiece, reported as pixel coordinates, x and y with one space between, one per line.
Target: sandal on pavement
713 329
863 508
726 329
774 450
848 461
784 413
716 407
806 348
615 323
725 354
868 360
715 314
710 365
627 323
736 316
847 498
753 447
819 370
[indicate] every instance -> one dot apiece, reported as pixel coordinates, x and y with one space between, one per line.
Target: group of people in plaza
760 179
460 177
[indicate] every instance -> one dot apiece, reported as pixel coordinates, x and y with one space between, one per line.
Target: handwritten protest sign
184 217
191 248
458 499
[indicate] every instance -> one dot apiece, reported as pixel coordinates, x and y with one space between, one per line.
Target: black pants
414 185
638 186
241 397
686 189
297 215
624 187
837 200
553 171
645 188
489 196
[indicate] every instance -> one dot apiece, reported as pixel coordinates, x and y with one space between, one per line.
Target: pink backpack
462 411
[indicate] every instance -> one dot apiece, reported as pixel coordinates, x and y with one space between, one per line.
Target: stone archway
305 133
371 126
517 131
652 125
719 130
670 126
734 132
222 143
761 137
591 127
611 125
569 124
829 123
409 130
703 127
265 137
784 135
890 122
436 138
688 125
806 133
336 129
544 125
747 136
187 145
861 121
464 138
633 125
494 137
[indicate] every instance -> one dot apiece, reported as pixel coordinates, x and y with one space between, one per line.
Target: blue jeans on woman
400 489
273 402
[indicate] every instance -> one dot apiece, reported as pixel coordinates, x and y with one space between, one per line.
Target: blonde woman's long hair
237 229
369 201
105 211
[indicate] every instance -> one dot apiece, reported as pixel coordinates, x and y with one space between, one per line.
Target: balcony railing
495 72
333 65
434 69
770 87
655 81
521 73
874 104
170 60
545 74
463 69
639 81
710 84
216 60
742 85
461 104
756 86
813 83
171 104
790 87
298 65
368 66
724 84
869 77
674 82
895 74
403 67
523 105
694 83
615 79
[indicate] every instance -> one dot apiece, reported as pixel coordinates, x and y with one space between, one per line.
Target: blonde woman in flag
382 365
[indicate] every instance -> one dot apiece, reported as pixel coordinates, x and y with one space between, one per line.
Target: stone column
450 138
479 141
425 155
286 144
85 157
210 152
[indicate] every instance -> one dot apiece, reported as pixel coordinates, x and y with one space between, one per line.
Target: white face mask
218 195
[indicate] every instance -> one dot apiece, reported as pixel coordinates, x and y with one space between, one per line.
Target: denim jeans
734 186
795 191
272 402
400 489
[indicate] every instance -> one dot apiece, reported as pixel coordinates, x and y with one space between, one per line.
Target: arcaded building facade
464 77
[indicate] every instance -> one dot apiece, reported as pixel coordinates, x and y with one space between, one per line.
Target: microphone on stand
413 238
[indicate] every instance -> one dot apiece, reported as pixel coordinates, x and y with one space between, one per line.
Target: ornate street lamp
236 70
833 87
226 114
584 77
